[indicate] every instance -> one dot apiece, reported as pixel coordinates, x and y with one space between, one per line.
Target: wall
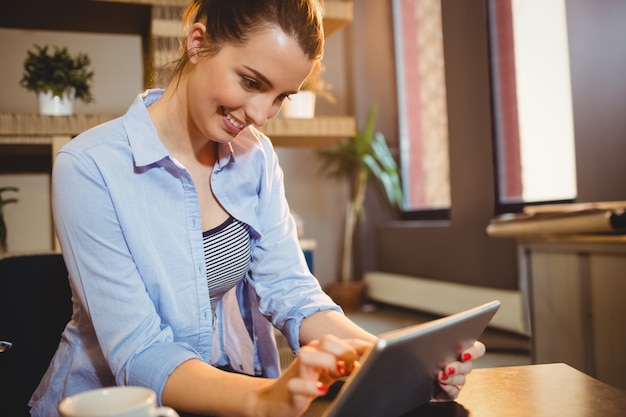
598 70
84 16
116 60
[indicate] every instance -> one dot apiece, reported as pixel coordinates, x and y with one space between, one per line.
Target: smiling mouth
234 122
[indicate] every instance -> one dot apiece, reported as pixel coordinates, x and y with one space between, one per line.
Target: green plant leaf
366 152
57 71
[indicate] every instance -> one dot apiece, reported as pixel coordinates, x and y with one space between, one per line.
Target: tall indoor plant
354 160
56 73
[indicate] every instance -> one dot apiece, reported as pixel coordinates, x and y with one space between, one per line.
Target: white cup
124 401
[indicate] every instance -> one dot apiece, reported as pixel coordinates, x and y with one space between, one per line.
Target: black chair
35 303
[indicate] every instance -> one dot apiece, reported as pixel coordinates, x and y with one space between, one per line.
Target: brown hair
233 21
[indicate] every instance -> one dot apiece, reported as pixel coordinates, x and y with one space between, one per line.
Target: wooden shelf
311 133
34 129
19 126
338 14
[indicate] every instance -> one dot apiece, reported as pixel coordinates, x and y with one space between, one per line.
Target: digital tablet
399 373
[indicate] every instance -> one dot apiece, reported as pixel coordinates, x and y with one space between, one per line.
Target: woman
181 250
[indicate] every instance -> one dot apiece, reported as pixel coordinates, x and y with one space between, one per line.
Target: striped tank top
227 257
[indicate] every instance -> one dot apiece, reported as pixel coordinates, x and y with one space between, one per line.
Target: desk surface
522 391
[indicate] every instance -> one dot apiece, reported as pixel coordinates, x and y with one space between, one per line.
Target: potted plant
302 104
3 226
58 78
354 160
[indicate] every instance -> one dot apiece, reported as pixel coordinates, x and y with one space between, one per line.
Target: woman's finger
313 360
448 393
475 351
457 368
346 351
457 379
305 387
360 345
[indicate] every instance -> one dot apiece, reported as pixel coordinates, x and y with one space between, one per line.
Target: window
422 105
532 104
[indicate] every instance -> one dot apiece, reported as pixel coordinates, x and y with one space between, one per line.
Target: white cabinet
577 288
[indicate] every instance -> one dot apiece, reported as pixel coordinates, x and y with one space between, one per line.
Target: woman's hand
316 367
452 377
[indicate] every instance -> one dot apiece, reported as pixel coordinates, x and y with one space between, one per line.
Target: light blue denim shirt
128 220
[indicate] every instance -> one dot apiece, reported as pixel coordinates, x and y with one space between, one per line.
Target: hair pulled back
233 21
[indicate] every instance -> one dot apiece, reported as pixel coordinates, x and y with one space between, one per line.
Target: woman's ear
196 38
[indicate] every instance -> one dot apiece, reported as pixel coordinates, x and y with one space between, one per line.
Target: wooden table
526 391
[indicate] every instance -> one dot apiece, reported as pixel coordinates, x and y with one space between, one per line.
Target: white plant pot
57 106
300 105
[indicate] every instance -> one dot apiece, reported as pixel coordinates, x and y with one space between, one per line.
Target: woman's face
242 85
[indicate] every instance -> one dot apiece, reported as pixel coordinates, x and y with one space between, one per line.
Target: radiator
445 298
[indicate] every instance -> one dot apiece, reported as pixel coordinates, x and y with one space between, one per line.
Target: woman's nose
261 110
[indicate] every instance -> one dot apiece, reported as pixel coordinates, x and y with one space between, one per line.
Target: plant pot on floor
51 105
349 295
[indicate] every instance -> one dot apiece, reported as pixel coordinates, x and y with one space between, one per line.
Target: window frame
504 109
426 213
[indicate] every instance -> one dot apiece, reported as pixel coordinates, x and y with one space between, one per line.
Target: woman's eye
250 83
282 97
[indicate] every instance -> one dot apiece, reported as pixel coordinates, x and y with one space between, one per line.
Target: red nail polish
451 371
443 376
466 357
322 389
341 368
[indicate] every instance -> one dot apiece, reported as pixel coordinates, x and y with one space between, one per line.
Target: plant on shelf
315 84
58 72
302 104
3 226
354 160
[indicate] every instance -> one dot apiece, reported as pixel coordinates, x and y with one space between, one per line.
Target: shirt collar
144 140
225 155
